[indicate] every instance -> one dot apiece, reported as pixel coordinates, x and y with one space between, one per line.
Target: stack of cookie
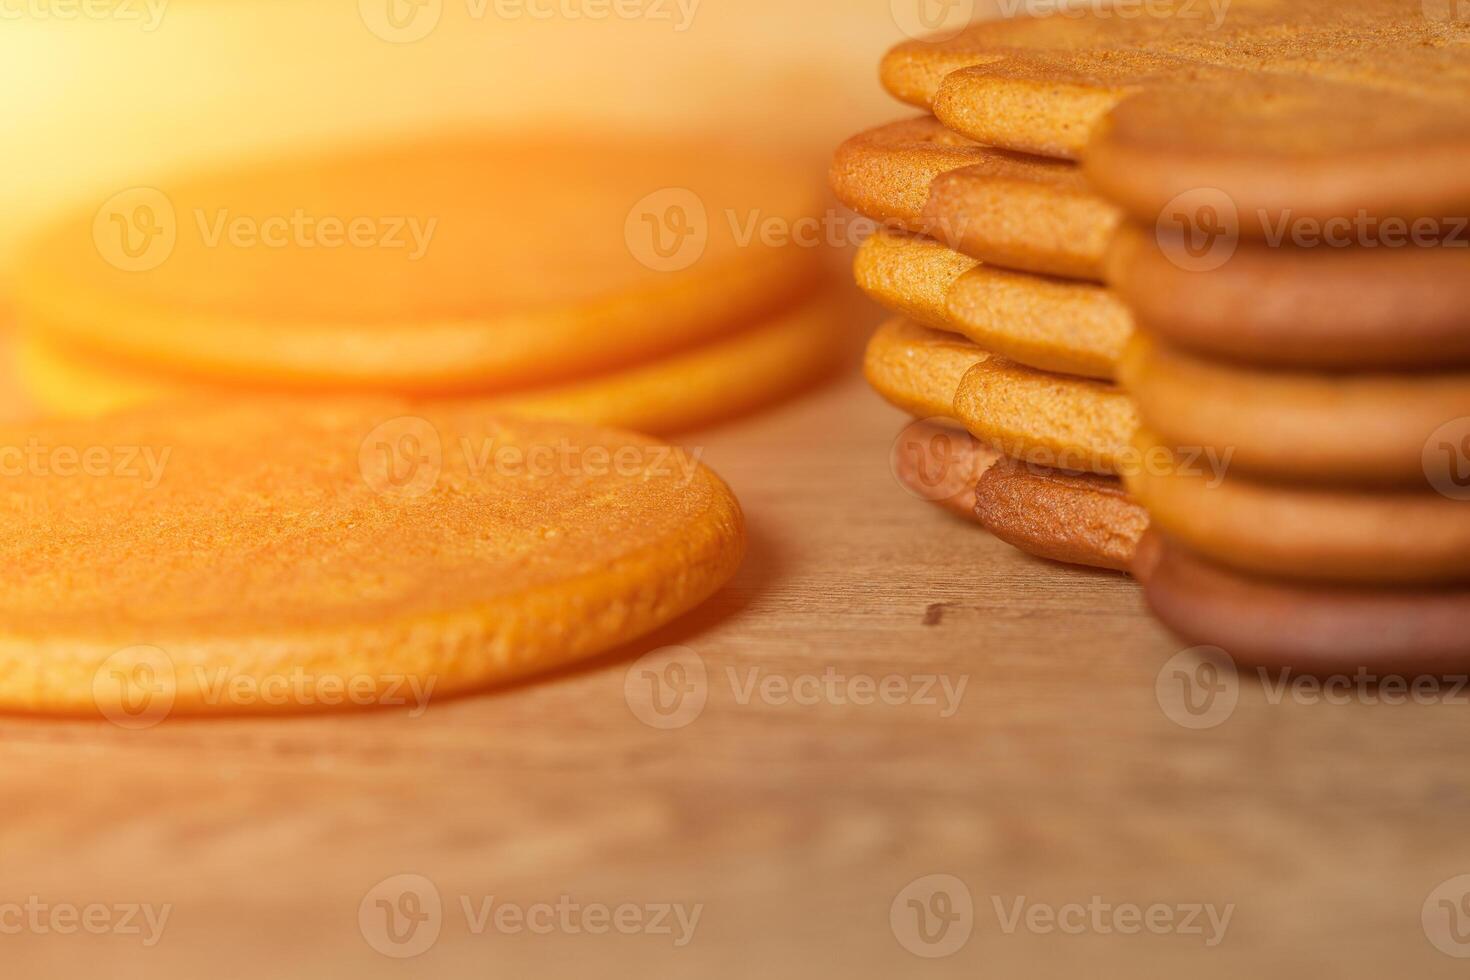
994 261
1275 194
617 281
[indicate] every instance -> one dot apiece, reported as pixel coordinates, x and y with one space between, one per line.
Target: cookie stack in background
504 268
1247 183
993 261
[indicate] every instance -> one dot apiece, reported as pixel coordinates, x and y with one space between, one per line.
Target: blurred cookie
731 376
1358 429
1081 519
441 265
1397 306
223 558
1306 533
1046 419
1310 629
941 464
918 369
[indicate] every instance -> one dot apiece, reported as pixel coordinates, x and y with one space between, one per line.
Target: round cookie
917 369
447 264
220 558
1325 308
728 377
1045 323
1006 209
1046 419
1080 519
1049 324
1355 537
941 464
911 276
1310 629
1353 429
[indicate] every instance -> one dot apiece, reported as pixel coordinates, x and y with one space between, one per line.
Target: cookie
918 369
911 275
1080 519
1327 308
1323 107
452 264
1320 534
730 376
1046 419
234 559
1042 322
941 464
1310 629
1007 209
1358 429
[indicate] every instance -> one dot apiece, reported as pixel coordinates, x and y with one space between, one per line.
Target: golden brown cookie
918 369
1332 308
941 464
1350 429
1316 534
1006 209
447 264
1046 419
1310 629
911 275
1050 324
1320 106
731 376
1081 519
220 558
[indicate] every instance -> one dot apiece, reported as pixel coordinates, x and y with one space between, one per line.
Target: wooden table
795 827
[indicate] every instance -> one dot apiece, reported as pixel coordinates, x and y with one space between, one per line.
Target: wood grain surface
1059 779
